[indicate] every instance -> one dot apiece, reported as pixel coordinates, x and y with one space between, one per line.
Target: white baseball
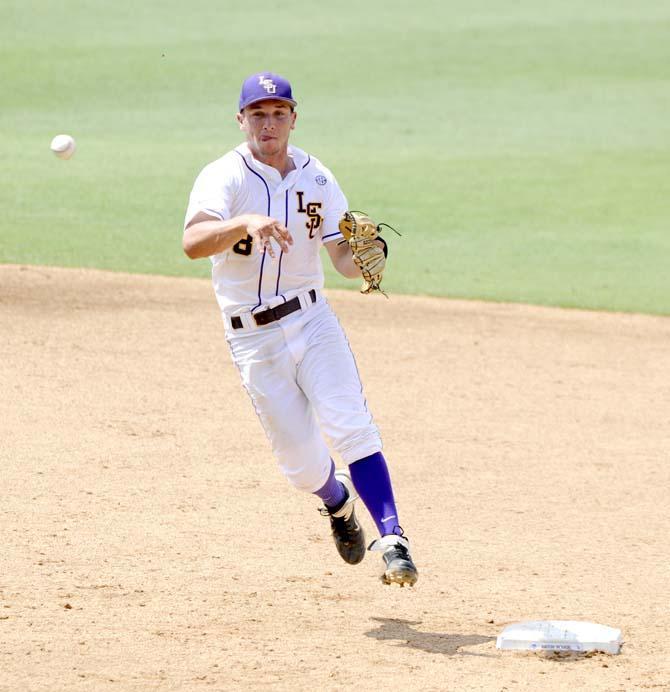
63 146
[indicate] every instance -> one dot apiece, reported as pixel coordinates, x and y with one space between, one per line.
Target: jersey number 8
243 247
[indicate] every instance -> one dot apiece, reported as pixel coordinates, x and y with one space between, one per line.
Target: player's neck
281 161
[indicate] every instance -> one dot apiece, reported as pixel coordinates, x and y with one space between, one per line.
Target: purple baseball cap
263 86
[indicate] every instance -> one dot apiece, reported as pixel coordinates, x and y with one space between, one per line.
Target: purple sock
332 493
371 479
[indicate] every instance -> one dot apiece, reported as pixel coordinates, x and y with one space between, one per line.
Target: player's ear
240 119
294 116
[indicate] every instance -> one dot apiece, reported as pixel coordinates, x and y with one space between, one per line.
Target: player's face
267 125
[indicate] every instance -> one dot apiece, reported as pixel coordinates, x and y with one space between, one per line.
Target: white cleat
399 567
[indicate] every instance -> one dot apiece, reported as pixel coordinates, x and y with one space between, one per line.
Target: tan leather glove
360 231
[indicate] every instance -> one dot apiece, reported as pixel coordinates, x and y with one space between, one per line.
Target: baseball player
261 213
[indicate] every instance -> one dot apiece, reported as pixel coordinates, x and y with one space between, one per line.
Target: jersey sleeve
212 193
337 205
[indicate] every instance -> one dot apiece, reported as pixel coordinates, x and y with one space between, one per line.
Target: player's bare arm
205 235
343 260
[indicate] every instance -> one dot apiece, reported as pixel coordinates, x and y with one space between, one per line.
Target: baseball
63 146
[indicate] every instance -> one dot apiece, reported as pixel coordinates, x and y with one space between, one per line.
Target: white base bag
560 636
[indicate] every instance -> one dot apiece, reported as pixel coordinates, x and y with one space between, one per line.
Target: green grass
522 149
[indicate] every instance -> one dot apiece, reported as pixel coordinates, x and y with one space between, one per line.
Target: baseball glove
360 231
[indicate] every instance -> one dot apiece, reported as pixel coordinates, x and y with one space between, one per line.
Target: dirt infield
149 541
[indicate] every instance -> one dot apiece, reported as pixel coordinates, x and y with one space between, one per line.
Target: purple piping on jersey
260 280
330 235
281 254
258 175
218 214
267 190
309 158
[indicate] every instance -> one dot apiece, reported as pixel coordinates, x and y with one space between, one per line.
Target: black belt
274 314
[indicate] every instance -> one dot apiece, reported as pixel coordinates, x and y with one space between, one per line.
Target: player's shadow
392 629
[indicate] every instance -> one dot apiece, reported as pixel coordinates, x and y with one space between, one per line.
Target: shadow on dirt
391 629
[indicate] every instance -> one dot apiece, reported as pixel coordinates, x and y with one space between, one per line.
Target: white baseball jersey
308 201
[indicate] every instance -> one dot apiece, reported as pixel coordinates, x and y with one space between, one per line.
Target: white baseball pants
304 384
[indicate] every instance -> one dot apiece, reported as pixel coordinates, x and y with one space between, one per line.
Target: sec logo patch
320 180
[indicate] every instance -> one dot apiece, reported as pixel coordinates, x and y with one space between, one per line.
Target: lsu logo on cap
267 84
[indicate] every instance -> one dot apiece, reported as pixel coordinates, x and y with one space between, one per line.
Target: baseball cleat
347 532
399 568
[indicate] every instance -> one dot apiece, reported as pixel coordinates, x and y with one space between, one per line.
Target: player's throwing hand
264 228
